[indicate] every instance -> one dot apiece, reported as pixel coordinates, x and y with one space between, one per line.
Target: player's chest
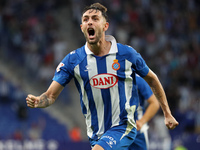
103 72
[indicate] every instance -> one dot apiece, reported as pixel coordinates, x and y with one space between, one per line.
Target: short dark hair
97 6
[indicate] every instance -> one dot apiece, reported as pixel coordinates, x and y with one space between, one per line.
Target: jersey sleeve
139 65
64 71
143 88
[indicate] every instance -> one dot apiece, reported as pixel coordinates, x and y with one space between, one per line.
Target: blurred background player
144 113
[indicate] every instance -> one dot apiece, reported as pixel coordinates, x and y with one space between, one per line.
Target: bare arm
158 90
151 110
46 98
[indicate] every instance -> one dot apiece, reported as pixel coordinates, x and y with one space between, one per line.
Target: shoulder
128 53
125 49
75 57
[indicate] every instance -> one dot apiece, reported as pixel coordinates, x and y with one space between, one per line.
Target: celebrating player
104 73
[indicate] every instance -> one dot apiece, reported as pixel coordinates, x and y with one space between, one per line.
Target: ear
81 27
106 26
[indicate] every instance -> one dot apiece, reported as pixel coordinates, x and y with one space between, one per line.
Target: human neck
101 48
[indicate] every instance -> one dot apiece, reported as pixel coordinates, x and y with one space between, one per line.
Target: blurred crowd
165 32
29 36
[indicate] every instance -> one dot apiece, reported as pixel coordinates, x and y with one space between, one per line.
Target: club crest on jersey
103 81
115 65
59 66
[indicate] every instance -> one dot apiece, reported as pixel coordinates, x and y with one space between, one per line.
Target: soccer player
104 74
143 114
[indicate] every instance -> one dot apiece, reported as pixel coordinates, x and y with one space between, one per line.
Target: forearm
153 81
45 100
160 95
151 110
158 91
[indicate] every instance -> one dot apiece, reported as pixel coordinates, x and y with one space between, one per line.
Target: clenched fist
32 101
171 122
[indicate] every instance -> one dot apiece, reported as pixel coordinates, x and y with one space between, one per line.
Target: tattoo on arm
44 101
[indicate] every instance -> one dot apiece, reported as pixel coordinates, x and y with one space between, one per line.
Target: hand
171 122
32 101
139 124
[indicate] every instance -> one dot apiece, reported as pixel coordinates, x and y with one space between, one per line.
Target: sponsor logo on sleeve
73 52
59 66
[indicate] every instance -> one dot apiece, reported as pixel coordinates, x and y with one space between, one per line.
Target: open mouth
91 32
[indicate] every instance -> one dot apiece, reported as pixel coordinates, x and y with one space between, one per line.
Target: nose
90 21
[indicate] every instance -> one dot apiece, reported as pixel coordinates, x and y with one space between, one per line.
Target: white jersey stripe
128 89
85 101
96 94
114 97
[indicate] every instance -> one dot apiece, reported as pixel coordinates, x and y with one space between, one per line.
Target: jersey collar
113 48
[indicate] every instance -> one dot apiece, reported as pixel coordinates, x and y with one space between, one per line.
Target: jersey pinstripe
108 92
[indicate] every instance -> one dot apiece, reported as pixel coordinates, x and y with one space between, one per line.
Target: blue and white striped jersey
107 85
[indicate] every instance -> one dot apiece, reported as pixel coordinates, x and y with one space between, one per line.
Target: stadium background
36 34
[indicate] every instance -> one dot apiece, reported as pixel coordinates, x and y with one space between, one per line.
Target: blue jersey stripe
92 107
83 108
134 99
101 63
121 88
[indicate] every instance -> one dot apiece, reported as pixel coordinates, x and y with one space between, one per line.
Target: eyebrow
87 16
